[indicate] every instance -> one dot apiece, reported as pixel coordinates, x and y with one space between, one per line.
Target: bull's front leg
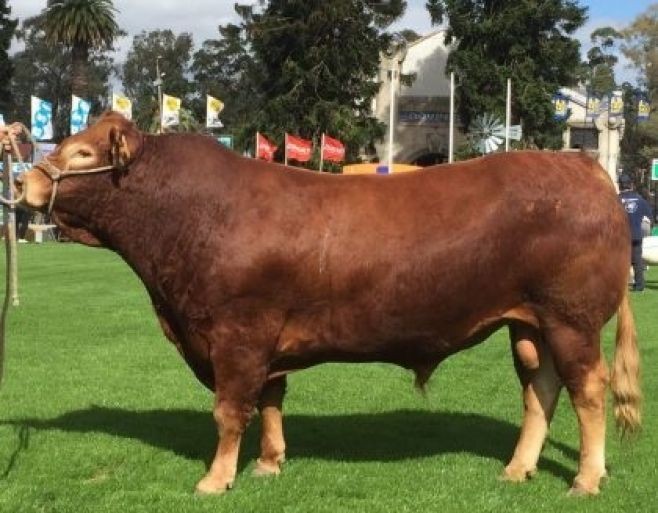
240 374
272 443
232 418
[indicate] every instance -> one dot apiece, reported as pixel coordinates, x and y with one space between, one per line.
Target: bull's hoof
514 474
265 468
212 486
580 489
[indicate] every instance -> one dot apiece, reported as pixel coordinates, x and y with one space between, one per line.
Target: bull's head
112 143
72 180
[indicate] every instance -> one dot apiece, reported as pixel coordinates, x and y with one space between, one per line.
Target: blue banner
42 119
593 107
616 104
643 107
560 107
79 114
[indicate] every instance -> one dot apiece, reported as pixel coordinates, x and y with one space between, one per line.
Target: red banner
332 149
298 149
264 148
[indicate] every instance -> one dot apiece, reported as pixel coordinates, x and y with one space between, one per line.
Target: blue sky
601 13
203 18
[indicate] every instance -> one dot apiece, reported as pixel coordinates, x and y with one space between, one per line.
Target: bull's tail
625 379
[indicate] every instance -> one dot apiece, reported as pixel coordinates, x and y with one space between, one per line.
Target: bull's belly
413 348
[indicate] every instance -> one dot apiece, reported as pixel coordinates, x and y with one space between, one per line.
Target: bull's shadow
388 436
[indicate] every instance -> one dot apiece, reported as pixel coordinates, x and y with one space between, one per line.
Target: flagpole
508 113
321 152
285 149
451 135
256 151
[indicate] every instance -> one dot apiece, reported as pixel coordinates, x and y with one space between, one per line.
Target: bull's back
433 253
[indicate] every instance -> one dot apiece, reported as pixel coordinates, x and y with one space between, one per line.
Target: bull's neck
152 214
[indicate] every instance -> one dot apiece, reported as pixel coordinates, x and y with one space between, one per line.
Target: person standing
637 208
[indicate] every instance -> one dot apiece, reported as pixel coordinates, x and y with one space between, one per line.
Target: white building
422 109
601 136
421 116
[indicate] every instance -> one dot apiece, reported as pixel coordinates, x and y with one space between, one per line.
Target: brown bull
257 270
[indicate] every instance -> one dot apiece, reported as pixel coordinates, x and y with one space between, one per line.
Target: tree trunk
79 78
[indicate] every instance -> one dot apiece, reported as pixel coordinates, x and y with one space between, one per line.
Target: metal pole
285 149
321 152
508 113
608 128
391 121
158 81
451 129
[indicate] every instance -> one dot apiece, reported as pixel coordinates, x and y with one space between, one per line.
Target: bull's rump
431 259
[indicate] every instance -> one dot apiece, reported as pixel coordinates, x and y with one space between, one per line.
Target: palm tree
81 25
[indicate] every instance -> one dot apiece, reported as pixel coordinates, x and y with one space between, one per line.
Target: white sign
515 132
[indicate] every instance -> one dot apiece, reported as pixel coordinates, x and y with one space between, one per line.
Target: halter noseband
56 175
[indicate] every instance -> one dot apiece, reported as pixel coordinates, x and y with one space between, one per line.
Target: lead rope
7 145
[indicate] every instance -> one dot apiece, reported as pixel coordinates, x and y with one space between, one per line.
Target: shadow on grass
385 437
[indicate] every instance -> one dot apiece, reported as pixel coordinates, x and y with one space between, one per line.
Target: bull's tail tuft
625 379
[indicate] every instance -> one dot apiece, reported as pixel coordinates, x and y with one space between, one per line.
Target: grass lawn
99 413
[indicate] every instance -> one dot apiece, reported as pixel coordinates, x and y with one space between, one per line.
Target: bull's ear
124 146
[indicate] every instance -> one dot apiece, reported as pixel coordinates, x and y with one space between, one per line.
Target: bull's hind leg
272 443
579 363
541 388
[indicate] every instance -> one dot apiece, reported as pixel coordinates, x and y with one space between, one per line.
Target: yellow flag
170 110
213 108
123 105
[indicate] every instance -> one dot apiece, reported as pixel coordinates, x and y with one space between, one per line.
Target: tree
7 30
525 40
600 66
305 67
226 69
44 70
641 48
172 54
81 26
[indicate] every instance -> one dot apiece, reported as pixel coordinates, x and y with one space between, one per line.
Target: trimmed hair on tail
625 378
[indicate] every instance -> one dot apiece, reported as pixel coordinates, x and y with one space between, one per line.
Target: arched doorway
429 159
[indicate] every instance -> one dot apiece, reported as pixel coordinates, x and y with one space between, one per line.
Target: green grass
99 413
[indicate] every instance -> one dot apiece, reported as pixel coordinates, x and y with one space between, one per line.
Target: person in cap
637 209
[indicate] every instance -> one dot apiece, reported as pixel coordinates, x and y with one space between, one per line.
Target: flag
264 149
643 107
560 103
332 149
170 110
298 149
616 104
42 119
79 114
213 108
593 106
122 105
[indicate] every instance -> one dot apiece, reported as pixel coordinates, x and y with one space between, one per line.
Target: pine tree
302 66
528 41
7 30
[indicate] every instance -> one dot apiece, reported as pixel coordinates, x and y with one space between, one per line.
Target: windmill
488 133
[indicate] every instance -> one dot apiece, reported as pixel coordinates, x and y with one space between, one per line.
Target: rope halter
56 175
